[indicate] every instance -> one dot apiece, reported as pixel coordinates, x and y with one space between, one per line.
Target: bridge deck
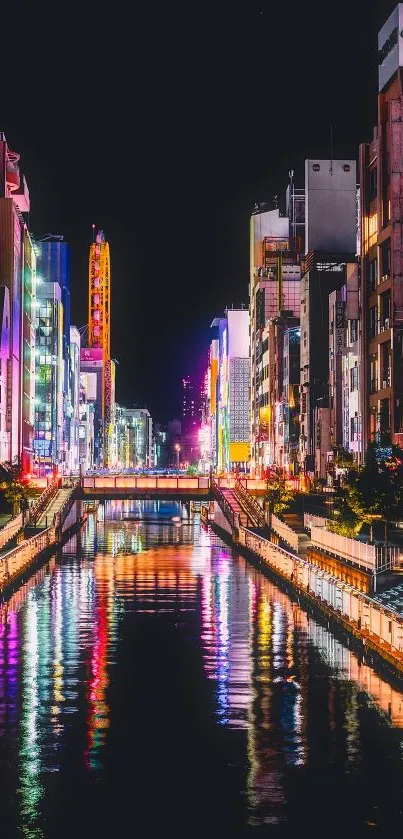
133 486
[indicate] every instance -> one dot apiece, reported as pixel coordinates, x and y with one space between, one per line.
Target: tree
16 486
278 497
376 489
345 520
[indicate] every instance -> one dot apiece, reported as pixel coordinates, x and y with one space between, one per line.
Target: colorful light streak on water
149 673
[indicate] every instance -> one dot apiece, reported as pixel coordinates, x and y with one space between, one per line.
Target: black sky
163 124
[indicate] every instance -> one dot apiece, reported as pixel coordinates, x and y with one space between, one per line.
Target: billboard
390 46
91 354
340 326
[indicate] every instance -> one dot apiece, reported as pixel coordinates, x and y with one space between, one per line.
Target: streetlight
177 449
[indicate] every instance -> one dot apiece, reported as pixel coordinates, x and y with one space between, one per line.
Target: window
372 275
353 378
386 262
373 185
353 331
373 318
354 428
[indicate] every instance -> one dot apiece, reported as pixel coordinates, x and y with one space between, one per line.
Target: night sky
163 124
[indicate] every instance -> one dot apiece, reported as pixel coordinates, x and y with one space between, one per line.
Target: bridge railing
144 483
249 504
231 515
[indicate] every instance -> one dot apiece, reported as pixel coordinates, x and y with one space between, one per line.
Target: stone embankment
377 627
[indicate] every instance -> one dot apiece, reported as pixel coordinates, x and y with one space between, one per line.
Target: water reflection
304 710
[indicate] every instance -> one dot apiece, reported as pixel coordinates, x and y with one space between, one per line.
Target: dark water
154 683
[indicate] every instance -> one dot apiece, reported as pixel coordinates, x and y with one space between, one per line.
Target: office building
381 218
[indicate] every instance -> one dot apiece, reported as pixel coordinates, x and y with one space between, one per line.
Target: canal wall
378 628
17 562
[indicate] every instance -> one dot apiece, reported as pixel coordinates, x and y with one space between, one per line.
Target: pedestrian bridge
158 486
143 486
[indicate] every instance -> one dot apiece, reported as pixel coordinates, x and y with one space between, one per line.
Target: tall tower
99 301
99 295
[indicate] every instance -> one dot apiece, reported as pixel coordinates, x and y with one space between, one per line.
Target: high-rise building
276 243
73 449
191 420
17 276
86 431
381 290
49 401
134 438
99 309
328 266
53 266
290 398
232 392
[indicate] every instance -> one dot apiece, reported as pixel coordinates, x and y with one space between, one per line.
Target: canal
154 682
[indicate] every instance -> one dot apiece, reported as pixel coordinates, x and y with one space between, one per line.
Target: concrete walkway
233 502
55 504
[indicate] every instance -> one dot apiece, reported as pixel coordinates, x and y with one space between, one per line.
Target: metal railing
251 506
373 558
41 503
144 483
231 515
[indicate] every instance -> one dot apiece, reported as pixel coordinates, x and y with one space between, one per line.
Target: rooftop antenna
331 149
93 233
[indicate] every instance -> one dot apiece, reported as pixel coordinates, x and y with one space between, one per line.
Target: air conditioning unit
384 384
384 278
387 323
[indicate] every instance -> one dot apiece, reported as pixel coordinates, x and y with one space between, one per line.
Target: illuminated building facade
191 420
276 243
4 361
49 379
53 267
91 422
290 398
161 447
134 430
381 185
86 432
73 449
232 391
99 302
17 275
211 409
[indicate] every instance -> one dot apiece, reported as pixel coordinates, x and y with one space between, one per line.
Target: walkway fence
286 533
365 614
373 558
11 529
13 563
314 521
